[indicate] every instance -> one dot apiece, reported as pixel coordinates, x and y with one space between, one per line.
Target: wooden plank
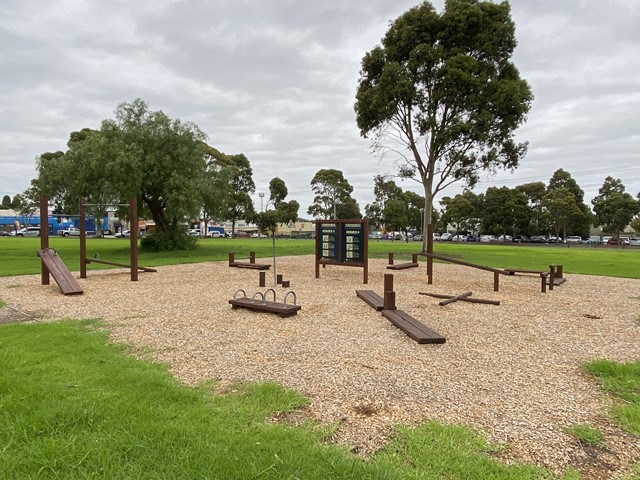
282 309
465 299
116 264
454 298
413 327
252 266
372 298
59 271
402 266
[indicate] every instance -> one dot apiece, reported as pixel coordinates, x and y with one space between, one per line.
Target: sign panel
328 241
353 242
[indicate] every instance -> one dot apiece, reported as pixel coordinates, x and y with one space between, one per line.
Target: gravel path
511 371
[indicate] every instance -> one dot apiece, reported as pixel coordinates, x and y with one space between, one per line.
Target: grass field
18 255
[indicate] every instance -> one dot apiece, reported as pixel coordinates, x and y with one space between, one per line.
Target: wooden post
389 300
543 283
252 257
560 271
83 238
496 281
278 279
552 276
286 283
390 258
388 282
133 219
414 258
44 236
429 250
263 278
231 258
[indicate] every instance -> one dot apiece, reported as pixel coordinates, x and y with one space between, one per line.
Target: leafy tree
6 202
383 190
331 190
459 211
240 205
538 221
614 208
282 212
395 214
348 208
415 204
216 189
140 153
635 225
562 207
503 207
577 224
443 88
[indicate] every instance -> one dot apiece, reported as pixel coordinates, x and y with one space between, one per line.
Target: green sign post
342 242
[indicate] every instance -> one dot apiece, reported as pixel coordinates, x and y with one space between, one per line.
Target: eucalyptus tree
442 93
562 208
331 191
613 207
576 224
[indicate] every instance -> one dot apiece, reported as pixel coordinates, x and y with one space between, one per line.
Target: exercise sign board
342 242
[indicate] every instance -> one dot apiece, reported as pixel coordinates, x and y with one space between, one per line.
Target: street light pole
261 195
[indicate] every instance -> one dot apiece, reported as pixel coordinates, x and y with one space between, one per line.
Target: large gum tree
442 93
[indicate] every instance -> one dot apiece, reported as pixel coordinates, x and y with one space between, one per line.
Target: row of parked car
574 239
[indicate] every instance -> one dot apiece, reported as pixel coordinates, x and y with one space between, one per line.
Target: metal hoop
272 291
244 294
256 294
295 299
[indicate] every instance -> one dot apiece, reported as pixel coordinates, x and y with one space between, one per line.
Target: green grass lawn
74 406
18 255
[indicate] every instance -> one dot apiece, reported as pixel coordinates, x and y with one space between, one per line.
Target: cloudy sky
276 79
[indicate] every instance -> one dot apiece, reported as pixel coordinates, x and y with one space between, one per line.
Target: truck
69 232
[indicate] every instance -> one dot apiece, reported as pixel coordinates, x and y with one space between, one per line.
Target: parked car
123 234
554 239
445 237
605 240
488 239
418 237
193 232
594 240
505 238
26 232
634 241
573 239
259 235
4 234
520 238
538 239
436 237
472 238
459 238
613 241
241 234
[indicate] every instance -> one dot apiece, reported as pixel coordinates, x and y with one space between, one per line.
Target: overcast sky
276 80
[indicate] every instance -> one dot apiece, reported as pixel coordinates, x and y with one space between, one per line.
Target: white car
446 237
123 234
258 235
488 239
26 232
573 239
193 232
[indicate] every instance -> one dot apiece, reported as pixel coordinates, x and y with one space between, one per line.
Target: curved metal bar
272 291
295 299
256 294
244 294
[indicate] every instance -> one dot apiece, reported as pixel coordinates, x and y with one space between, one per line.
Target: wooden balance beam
405 322
401 266
283 309
250 264
116 264
463 297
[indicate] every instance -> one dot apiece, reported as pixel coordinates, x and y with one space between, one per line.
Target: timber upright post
83 239
133 219
44 236
430 250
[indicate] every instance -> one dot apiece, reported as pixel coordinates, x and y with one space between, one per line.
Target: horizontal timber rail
116 264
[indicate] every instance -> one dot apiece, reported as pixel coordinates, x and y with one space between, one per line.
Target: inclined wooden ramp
59 271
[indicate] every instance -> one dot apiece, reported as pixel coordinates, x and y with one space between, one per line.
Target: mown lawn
18 255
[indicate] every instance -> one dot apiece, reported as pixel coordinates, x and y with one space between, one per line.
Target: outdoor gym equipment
258 302
250 264
401 266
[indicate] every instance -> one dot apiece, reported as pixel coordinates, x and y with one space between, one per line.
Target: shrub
171 240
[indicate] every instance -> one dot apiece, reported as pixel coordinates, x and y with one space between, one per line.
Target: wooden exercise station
463 297
259 303
401 266
405 322
250 264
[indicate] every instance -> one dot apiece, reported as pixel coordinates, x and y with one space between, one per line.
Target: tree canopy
613 207
442 93
332 196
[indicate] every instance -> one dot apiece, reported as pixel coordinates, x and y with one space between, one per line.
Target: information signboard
342 242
